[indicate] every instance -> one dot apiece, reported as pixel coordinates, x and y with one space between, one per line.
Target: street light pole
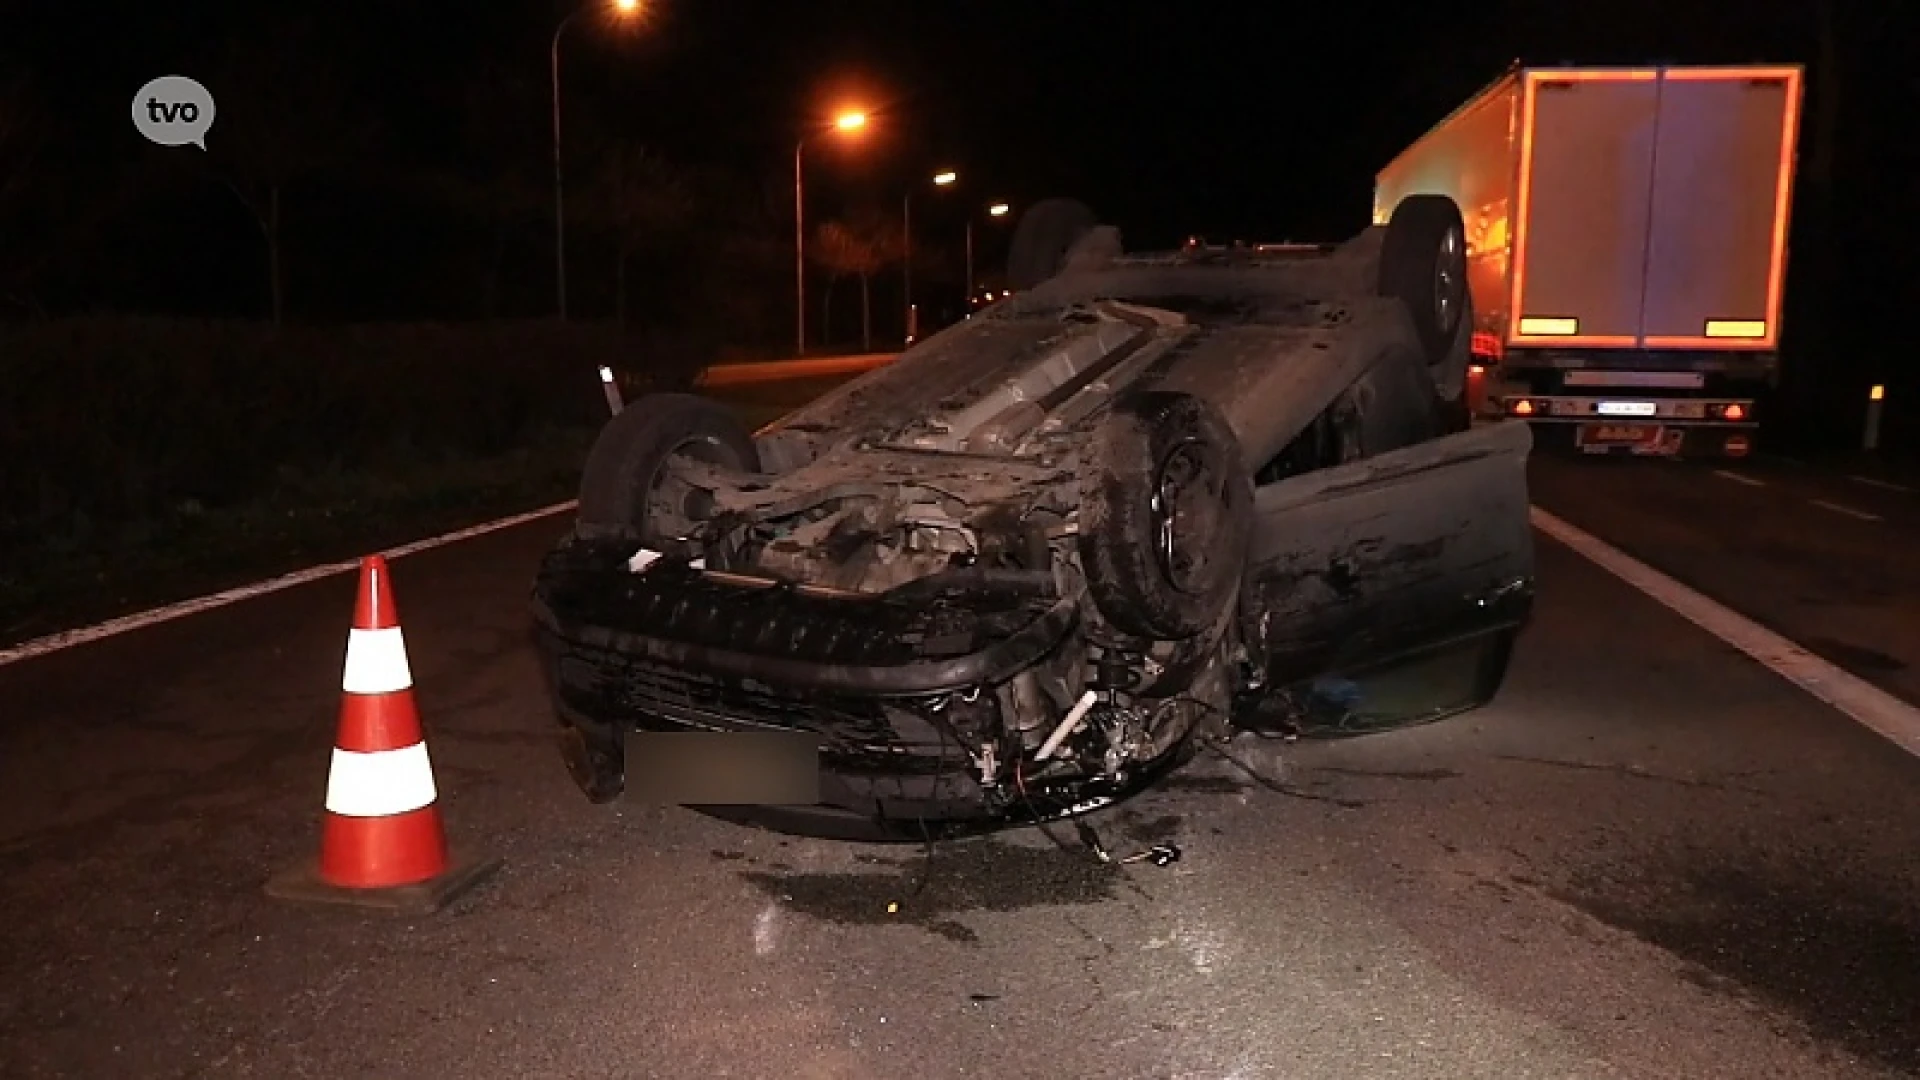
623 7
559 197
906 262
941 179
845 122
799 257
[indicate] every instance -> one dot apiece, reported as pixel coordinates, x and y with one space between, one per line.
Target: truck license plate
1626 408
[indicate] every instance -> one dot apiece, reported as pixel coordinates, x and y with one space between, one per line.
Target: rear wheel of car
625 487
1166 513
1423 263
1041 241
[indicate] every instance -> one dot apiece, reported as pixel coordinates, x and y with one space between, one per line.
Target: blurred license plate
723 768
1626 408
1619 434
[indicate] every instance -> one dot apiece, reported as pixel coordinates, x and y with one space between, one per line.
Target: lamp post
623 7
845 122
940 179
998 209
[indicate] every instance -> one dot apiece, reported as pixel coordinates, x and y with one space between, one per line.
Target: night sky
1233 120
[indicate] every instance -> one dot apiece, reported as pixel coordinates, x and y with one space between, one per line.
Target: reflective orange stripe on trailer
1523 197
1643 222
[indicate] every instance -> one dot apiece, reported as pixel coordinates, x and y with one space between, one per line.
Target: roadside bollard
1876 400
612 389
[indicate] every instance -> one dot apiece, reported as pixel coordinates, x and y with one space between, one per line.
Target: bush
110 422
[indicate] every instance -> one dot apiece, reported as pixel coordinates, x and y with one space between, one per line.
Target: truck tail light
1522 407
1735 411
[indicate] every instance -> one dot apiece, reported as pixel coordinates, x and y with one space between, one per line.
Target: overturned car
1021 571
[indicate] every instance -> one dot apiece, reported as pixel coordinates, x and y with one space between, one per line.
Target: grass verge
308 519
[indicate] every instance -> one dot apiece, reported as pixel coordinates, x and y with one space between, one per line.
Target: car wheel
1041 241
1423 263
1166 513
624 487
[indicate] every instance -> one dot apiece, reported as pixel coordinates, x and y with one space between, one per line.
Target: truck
1626 248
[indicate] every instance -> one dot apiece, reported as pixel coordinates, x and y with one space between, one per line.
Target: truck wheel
1046 232
1423 263
624 488
1166 514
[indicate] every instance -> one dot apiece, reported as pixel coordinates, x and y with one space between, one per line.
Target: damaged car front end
1017 573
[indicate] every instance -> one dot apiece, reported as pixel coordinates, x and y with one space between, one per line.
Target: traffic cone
382 843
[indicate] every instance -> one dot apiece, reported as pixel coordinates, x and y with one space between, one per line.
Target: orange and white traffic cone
382 843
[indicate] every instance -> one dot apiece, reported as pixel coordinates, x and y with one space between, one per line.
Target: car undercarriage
1018 572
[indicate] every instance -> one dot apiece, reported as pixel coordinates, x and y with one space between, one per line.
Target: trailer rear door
1722 167
1586 159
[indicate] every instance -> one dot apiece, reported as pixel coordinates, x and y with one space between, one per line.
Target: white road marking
765 930
1847 510
67 639
1886 484
1871 706
1739 479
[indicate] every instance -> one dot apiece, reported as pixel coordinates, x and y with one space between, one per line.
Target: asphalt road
1830 560
1650 858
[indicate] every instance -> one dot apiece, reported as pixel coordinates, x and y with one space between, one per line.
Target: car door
1388 590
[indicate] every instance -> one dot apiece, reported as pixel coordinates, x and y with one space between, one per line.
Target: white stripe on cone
382 783
376 662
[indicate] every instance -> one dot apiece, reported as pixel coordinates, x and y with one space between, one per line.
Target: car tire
619 487
1166 516
1423 264
1046 232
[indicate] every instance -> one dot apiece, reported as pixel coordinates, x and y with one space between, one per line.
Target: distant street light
998 209
940 179
845 123
624 8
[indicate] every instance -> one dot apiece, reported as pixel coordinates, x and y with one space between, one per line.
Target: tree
506 184
862 246
285 114
641 200
21 136
58 204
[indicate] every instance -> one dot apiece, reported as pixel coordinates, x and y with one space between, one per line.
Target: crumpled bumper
679 648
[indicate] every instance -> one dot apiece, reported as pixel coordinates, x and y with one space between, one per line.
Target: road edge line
1868 705
61 640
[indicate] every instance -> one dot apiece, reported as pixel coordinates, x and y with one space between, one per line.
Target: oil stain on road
1835 949
955 878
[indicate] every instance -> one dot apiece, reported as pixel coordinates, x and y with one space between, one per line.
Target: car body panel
1357 564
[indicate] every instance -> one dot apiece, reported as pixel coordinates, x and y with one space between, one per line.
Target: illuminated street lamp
845 123
940 179
998 209
622 8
